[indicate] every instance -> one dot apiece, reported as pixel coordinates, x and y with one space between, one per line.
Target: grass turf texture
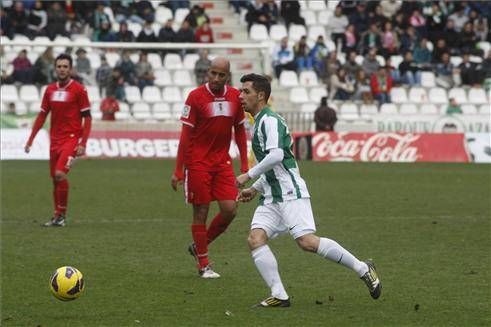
426 226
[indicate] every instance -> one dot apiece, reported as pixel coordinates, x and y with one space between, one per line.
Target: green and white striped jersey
283 182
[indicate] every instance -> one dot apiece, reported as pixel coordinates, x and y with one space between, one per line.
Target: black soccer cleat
372 280
272 302
57 221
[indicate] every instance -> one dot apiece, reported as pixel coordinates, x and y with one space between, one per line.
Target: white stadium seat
35 107
180 14
468 109
140 107
349 111
162 77
428 109
277 32
388 109
151 94
310 17
368 110
189 60
308 78
458 94
172 61
171 94
308 107
163 14
438 95
132 94
296 32
408 109
29 93
95 60
299 95
122 115
396 60
155 60
112 58
93 93
316 93
258 32
485 109
182 78
288 78
323 17
477 96
123 107
428 79
9 93
161 107
417 95
315 31
317 5
398 95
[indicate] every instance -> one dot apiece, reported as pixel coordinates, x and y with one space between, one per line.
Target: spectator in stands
370 63
257 14
325 117
351 66
447 75
115 86
144 9
103 76
290 12
6 28
147 34
271 9
453 107
435 20
74 25
98 18
393 71
422 54
124 34
418 21
127 68
451 37
390 41
197 17
377 17
22 68
283 57
37 21
409 40
83 67
337 24
301 51
185 34
11 110
351 39
363 92
167 33
409 70
390 7
238 4
43 67
381 84
486 72
468 39
360 18
481 29
341 86
318 53
439 49
57 19
468 71
5 77
174 5
370 39
18 18
204 34
201 67
331 66
144 71
459 18
125 10
109 106
106 33
400 23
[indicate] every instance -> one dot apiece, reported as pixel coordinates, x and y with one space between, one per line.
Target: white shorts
294 217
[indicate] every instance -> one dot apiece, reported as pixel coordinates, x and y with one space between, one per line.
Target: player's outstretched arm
38 124
178 174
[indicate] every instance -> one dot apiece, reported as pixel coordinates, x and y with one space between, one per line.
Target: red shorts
61 156
202 187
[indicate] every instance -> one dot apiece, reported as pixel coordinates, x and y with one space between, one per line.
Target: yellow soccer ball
67 283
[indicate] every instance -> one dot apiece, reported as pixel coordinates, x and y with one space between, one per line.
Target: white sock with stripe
267 265
331 250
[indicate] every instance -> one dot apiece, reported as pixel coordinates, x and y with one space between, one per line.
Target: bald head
218 74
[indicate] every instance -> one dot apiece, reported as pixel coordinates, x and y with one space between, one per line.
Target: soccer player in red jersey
69 105
203 161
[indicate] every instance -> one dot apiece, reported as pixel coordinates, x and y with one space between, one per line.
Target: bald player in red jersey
203 161
68 103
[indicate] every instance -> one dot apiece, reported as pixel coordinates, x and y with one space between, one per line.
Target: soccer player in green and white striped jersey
284 204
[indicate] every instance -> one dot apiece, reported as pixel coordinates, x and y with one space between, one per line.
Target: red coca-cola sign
389 147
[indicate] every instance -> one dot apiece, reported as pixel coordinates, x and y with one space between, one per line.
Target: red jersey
211 117
66 105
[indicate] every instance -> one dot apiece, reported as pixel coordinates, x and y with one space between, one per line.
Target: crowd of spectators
422 35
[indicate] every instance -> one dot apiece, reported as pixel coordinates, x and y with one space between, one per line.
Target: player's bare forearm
247 194
242 179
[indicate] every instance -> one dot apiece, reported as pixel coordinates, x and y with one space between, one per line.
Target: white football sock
267 265
330 249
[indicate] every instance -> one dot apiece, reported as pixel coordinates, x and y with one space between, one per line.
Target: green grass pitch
426 226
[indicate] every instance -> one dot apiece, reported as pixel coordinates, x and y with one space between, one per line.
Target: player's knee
308 242
59 176
256 238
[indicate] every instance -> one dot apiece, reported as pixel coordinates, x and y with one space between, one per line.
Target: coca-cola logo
380 147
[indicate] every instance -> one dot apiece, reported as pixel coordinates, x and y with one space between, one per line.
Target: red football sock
218 225
199 237
62 196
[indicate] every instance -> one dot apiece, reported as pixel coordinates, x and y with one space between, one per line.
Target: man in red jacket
381 84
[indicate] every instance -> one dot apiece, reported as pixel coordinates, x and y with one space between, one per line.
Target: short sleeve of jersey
45 103
189 112
240 116
83 100
271 126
